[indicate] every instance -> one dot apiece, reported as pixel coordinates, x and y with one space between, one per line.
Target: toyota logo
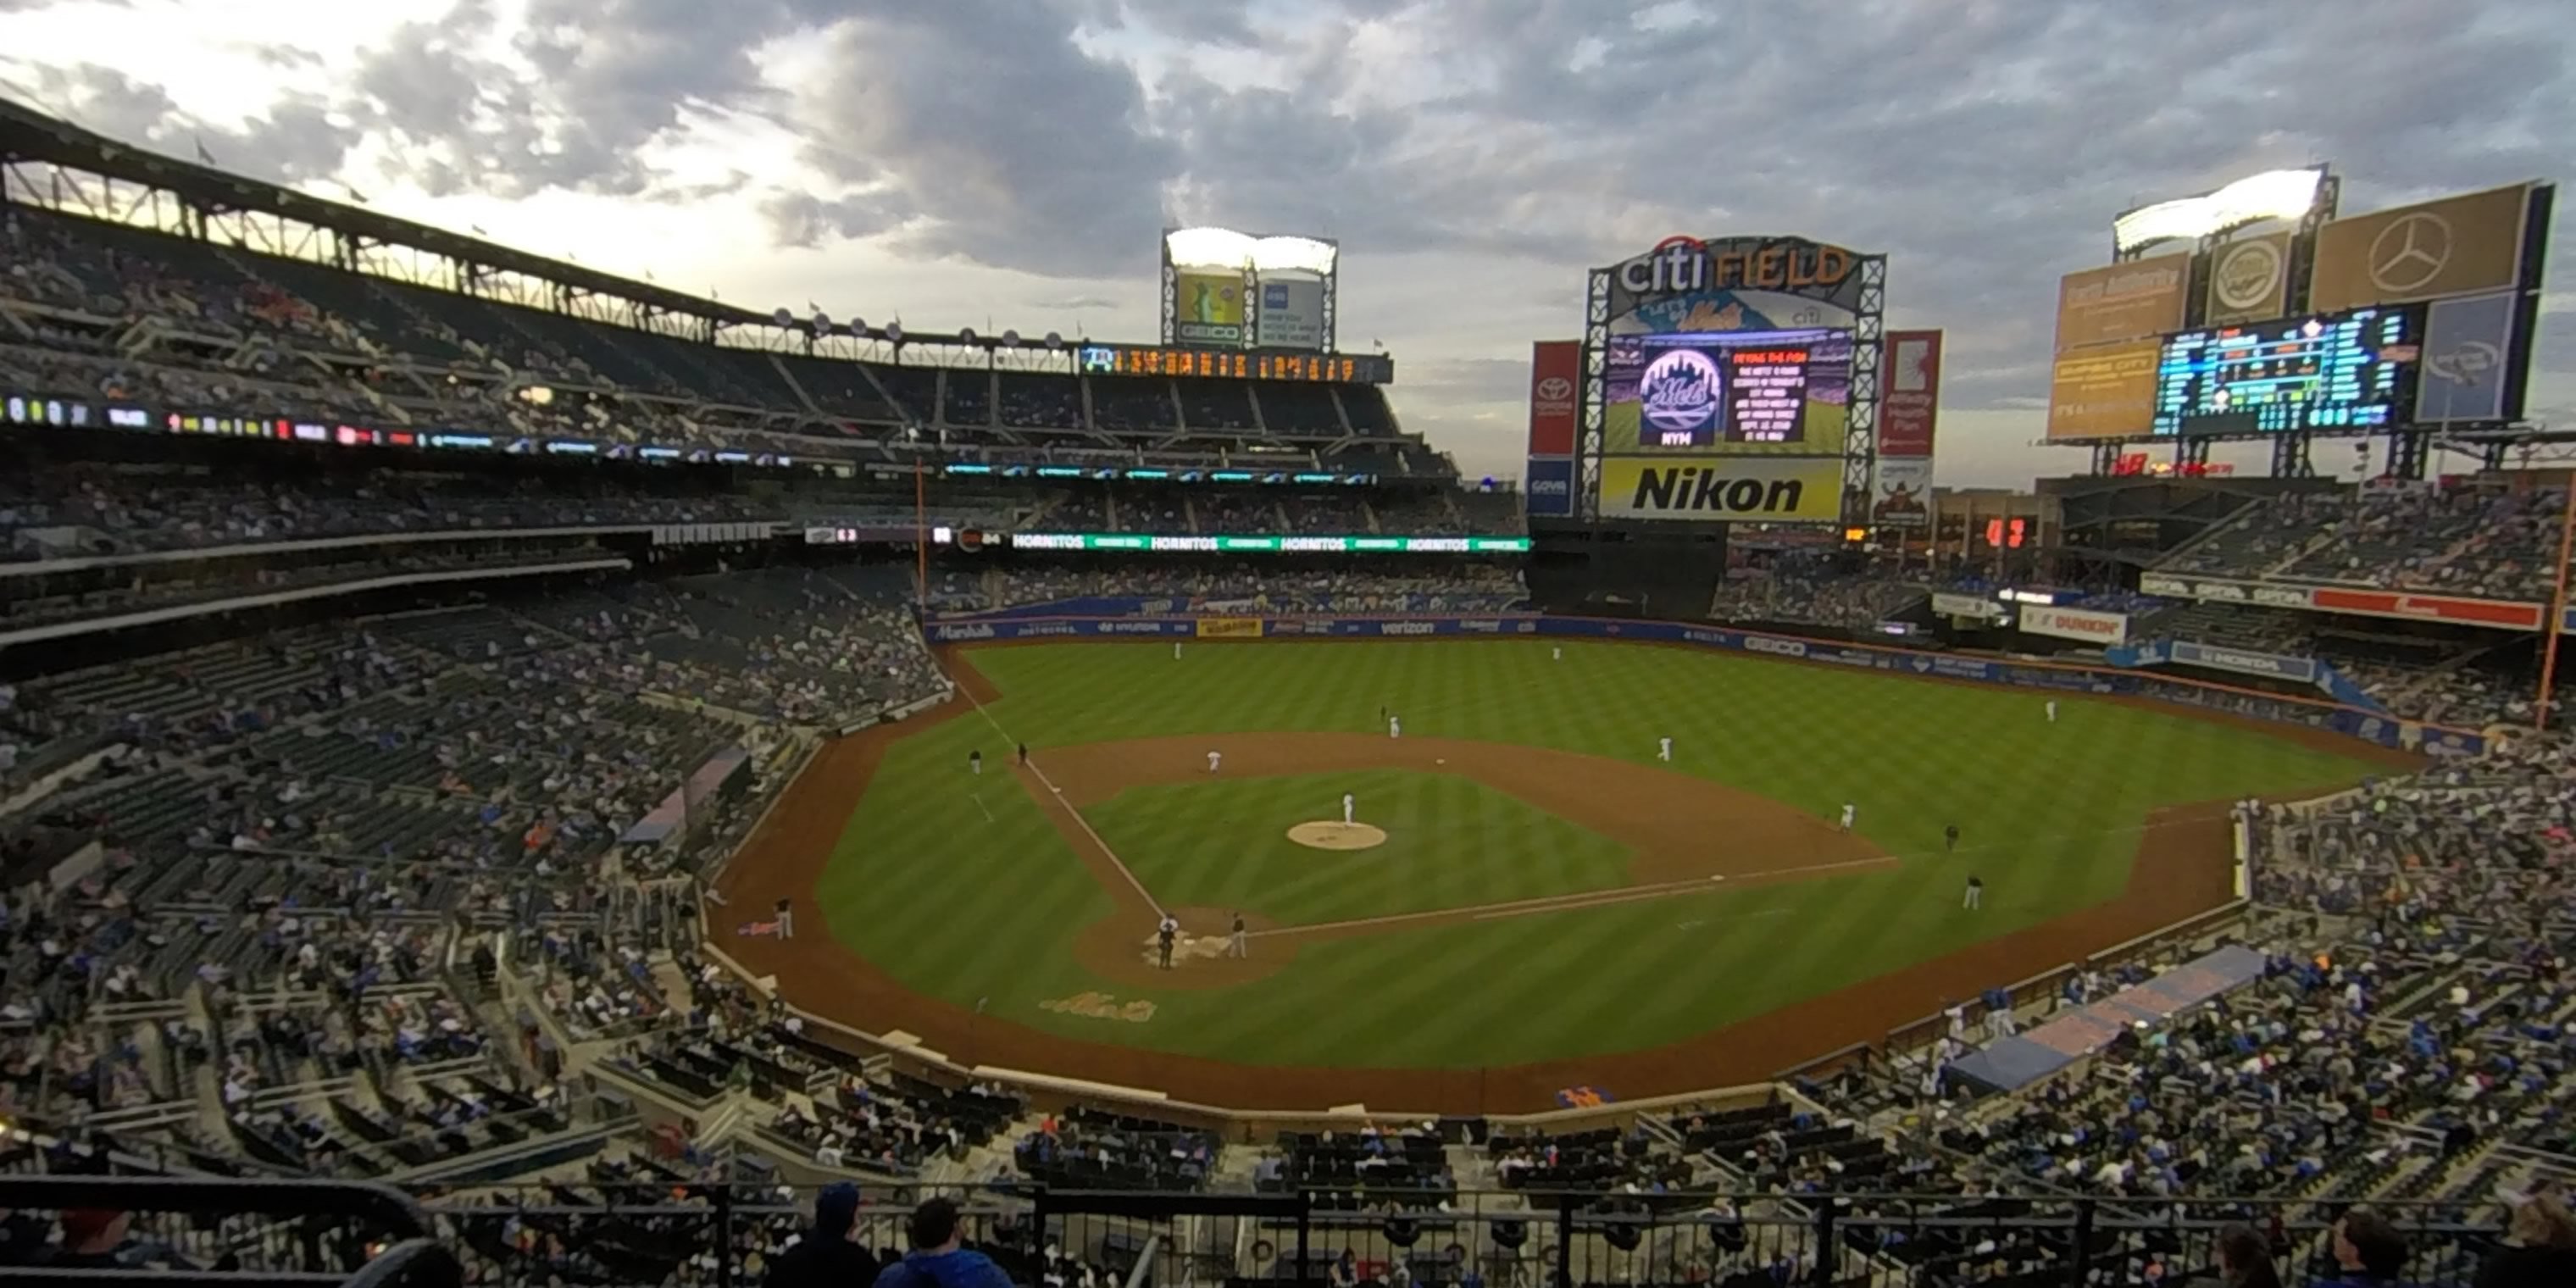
2410 252
1555 389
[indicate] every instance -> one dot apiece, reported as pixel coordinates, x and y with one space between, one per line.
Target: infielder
975 761
2052 711
1663 749
1163 935
1394 727
1236 947
1976 896
1350 803
1215 758
1850 813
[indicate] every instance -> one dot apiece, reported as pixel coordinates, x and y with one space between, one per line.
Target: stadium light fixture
1226 248
2274 194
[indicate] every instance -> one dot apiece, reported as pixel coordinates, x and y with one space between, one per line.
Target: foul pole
2557 608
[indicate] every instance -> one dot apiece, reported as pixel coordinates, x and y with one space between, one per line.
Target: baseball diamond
1551 905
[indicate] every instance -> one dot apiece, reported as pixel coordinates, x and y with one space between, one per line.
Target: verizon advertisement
2103 630
1555 365
1906 415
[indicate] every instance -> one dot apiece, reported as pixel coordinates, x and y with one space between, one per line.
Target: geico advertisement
1728 489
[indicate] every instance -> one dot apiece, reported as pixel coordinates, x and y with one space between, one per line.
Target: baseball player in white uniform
1176 650
1215 758
1556 653
1394 727
2052 711
1850 813
1663 749
1350 805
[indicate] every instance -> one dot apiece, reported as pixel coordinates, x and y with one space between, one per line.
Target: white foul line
1078 820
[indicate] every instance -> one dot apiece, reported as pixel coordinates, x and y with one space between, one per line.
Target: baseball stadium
514 774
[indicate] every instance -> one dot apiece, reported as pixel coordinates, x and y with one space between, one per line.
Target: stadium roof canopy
27 135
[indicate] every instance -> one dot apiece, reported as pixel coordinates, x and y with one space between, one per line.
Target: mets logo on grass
1723 489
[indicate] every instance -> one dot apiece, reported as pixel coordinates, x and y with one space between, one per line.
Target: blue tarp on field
2024 1058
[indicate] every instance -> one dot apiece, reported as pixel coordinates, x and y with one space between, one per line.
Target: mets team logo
1679 392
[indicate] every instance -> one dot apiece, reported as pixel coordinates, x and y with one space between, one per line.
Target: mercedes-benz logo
2245 274
2410 252
1555 389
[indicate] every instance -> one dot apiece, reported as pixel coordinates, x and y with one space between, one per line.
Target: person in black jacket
2543 1250
827 1257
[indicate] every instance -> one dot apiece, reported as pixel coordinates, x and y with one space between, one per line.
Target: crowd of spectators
2485 538
1251 585
1813 595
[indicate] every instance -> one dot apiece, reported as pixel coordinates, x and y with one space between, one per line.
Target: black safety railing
299 1234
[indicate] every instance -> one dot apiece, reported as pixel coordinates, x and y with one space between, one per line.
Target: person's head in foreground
2245 1258
2367 1249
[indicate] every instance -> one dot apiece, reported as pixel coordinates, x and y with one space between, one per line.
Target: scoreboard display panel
2354 370
1232 364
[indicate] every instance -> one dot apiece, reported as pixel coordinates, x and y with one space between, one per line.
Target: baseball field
1528 896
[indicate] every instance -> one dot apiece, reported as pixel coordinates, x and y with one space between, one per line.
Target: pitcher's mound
1337 836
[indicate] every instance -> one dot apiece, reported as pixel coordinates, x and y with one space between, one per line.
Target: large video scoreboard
2340 371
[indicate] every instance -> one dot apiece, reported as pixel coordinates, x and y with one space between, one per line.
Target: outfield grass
961 888
1451 843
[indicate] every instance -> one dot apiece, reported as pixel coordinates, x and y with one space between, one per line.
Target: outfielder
975 761
1976 895
1350 803
1394 727
2052 711
1663 749
1215 758
1850 813
1176 650
1556 653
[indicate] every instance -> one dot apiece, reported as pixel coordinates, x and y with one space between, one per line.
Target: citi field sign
1736 284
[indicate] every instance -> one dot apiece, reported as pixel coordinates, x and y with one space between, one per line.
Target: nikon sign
1722 489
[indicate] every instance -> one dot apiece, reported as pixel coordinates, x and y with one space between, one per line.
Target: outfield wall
2356 722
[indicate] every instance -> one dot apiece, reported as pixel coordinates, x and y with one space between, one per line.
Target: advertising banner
2455 246
1229 628
2243 661
1555 368
1146 541
1547 490
1209 304
1907 415
2249 280
2463 376
1949 605
1723 489
1900 492
1292 314
2084 624
2501 614
2103 392
1783 393
1735 284
2130 301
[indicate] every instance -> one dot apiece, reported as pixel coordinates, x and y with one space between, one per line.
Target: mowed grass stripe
2050 813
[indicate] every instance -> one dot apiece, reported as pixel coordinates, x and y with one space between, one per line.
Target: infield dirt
2183 867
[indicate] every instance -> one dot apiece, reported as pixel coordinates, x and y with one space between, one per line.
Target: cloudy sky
1010 162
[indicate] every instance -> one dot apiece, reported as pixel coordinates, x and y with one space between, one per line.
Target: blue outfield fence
2110 680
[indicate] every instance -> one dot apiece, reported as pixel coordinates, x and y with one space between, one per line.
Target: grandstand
358 799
